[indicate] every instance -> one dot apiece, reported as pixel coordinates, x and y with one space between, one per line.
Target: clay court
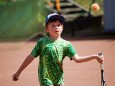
12 54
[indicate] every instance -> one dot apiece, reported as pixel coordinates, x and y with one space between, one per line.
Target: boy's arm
26 62
79 59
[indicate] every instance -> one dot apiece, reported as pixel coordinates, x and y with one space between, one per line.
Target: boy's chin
57 34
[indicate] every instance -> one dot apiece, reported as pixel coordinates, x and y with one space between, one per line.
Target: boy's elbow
76 60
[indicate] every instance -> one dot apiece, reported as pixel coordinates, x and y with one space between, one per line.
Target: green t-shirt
51 54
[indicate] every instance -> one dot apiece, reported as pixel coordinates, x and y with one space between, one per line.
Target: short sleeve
36 51
70 51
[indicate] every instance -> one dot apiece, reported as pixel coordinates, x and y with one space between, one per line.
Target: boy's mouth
57 31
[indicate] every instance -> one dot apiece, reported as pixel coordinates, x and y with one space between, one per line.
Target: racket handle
102 72
102 67
101 55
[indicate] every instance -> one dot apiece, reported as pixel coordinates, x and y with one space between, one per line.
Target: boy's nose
57 27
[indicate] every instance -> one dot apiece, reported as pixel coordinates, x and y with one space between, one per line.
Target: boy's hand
100 58
15 77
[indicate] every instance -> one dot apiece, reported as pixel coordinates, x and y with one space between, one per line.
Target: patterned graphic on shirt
52 54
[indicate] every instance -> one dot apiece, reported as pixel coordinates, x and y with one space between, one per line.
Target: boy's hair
54 17
53 20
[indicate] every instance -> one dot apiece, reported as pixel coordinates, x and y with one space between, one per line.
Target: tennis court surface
12 54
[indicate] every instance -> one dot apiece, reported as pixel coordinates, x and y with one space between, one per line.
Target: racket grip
101 55
102 67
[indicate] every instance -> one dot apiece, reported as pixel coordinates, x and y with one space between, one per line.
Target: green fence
21 19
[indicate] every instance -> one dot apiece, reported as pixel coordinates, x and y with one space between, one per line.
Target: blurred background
21 19
24 19
89 32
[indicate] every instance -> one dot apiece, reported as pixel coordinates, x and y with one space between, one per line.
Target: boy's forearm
87 58
78 59
26 62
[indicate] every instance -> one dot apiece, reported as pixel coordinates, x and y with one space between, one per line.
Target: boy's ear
62 26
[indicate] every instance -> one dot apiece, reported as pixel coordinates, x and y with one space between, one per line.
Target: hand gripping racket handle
102 72
101 55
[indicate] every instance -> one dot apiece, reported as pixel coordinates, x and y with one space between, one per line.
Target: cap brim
61 18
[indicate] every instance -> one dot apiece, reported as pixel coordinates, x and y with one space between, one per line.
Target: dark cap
54 16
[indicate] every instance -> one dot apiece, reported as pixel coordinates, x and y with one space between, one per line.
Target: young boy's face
54 28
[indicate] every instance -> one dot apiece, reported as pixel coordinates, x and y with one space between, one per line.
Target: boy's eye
53 25
59 25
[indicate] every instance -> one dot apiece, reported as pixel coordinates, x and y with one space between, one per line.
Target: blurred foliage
21 19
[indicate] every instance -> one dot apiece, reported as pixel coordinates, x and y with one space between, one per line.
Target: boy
51 51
